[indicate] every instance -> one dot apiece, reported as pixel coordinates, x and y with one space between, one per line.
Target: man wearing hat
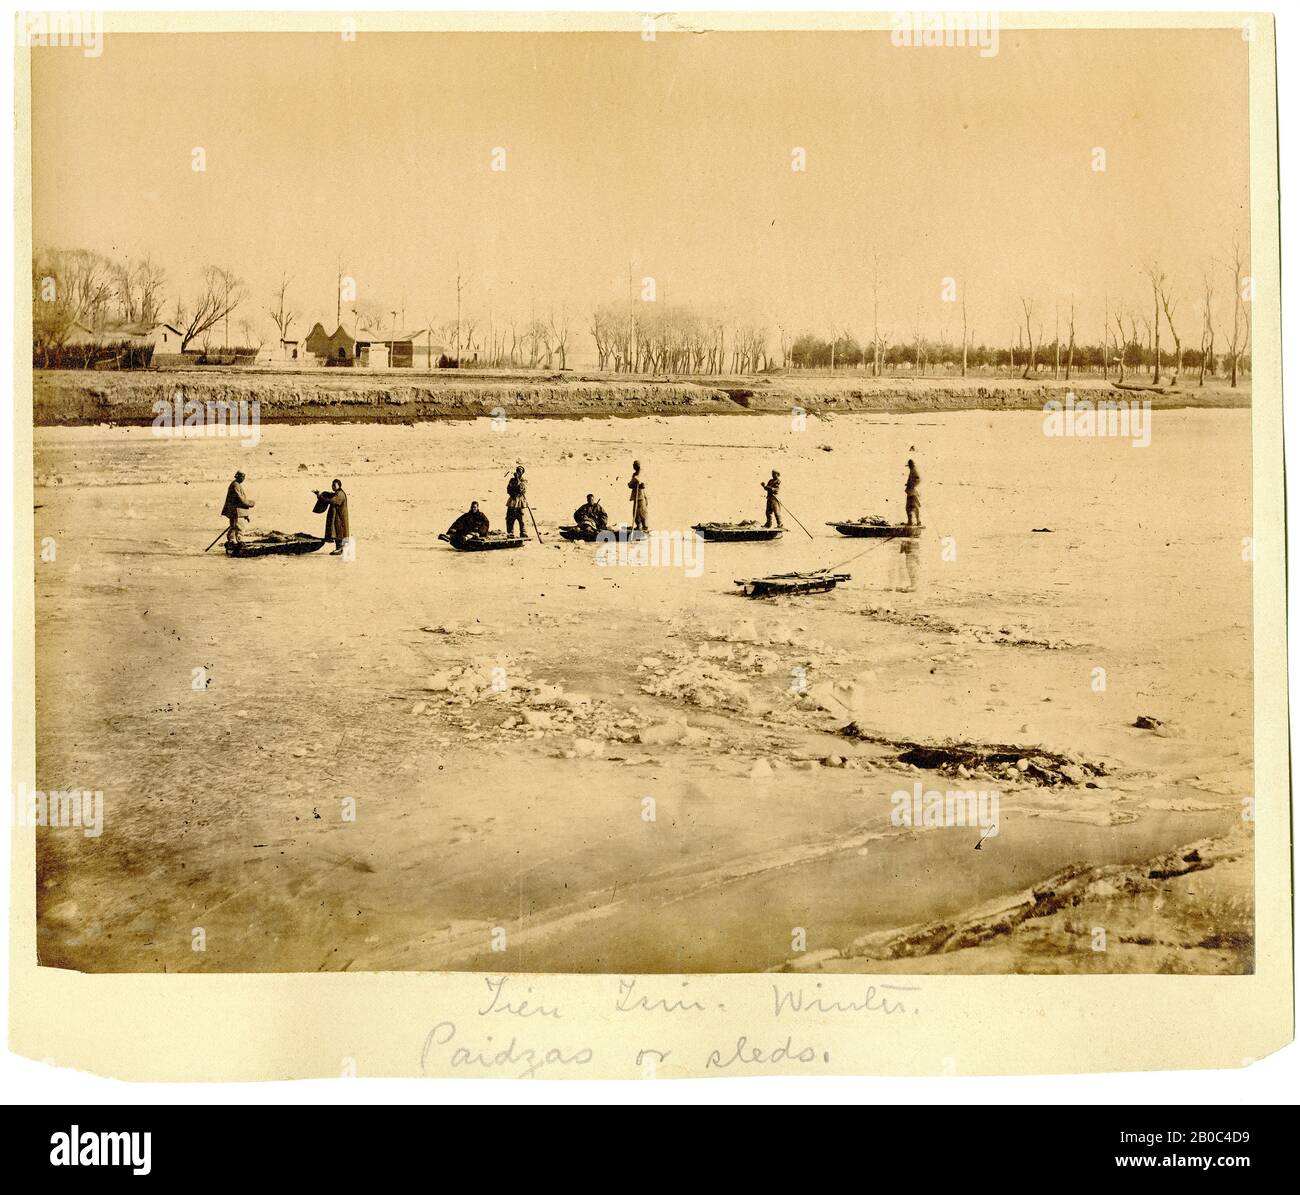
236 501
516 501
913 496
334 502
773 505
640 502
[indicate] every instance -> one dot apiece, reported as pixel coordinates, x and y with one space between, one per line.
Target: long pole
534 519
791 513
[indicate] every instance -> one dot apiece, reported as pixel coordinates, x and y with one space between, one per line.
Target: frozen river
403 759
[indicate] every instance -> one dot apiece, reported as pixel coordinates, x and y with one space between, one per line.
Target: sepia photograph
643 503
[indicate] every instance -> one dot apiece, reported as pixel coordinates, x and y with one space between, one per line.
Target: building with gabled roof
405 350
164 337
337 347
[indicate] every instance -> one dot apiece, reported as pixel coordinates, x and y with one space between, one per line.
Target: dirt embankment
72 397
1188 911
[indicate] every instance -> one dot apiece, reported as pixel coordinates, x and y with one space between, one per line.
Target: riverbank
82 398
1189 911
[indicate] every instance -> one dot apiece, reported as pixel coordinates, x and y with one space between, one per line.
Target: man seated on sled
591 515
472 522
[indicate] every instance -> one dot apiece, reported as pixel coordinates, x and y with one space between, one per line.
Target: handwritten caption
541 1041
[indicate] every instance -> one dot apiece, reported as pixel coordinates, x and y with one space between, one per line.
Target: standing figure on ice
913 498
640 503
236 501
335 503
773 502
516 500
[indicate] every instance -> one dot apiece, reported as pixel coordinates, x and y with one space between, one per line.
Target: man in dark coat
472 522
773 503
913 497
335 504
236 501
516 500
591 513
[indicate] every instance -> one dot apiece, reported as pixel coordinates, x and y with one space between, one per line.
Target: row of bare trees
1135 336
534 344
82 287
79 287
675 340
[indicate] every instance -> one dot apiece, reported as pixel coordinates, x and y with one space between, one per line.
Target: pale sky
672 157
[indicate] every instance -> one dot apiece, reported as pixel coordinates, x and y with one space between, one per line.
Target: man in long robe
236 501
640 501
335 502
913 497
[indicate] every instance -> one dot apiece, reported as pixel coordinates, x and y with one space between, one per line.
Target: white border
1274 1080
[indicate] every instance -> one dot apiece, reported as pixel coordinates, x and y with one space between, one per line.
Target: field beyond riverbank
81 398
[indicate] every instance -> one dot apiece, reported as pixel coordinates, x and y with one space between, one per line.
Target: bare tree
538 336
1207 325
1169 304
876 354
560 336
137 286
1127 339
1069 360
1240 317
1105 335
1030 309
1056 340
469 335
219 294
150 279
460 286
68 287
281 310
601 335
251 335
1157 279
963 328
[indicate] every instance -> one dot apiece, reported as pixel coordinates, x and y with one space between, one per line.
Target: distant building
426 351
400 350
325 347
373 352
165 338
